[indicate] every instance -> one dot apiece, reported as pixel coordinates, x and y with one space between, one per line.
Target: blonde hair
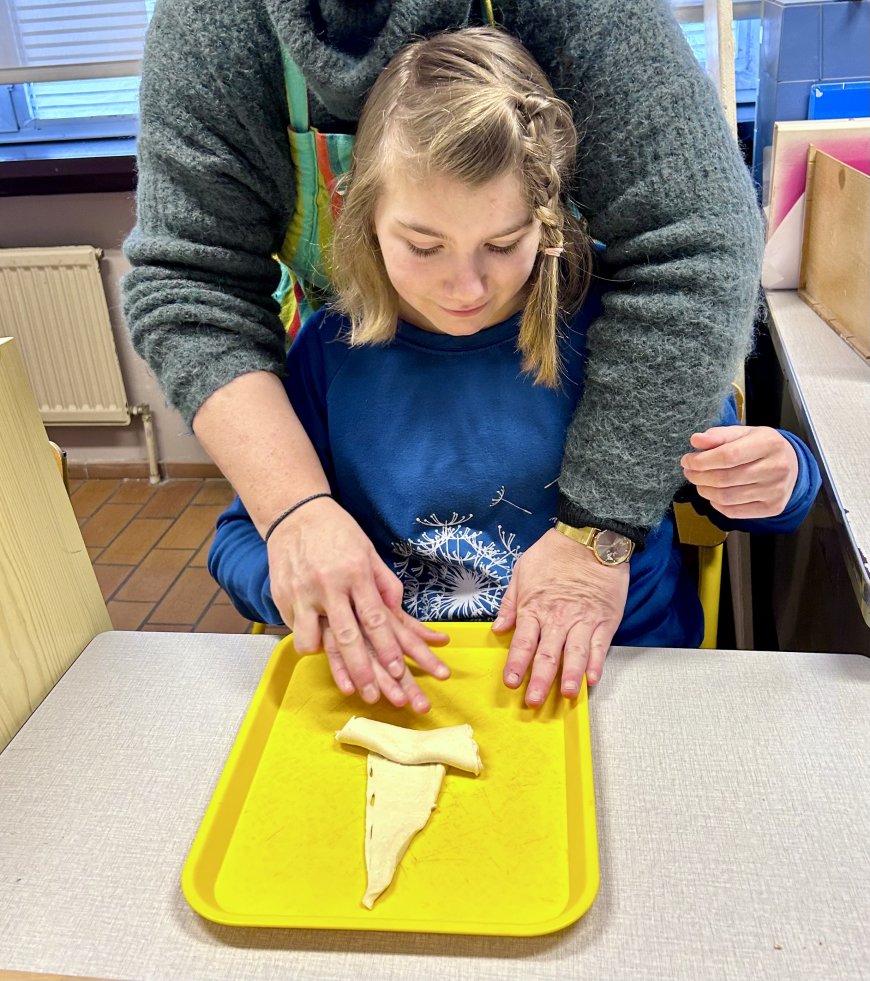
473 105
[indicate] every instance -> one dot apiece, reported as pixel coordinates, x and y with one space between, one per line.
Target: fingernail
498 623
347 687
442 672
420 704
592 677
570 688
535 696
397 668
370 693
513 679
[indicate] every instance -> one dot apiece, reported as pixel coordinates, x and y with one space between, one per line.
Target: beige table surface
733 803
830 388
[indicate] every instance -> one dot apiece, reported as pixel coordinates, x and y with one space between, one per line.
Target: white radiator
52 301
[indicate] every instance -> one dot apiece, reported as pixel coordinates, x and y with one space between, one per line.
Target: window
43 51
747 41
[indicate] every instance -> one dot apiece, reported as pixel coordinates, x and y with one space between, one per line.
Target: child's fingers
391 687
434 638
716 436
405 691
417 648
757 509
734 451
729 496
747 473
337 667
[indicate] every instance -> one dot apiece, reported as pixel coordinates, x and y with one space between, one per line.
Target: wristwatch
609 547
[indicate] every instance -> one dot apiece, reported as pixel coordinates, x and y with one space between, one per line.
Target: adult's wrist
571 513
287 512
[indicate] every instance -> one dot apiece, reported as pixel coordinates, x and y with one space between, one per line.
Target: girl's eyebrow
430 233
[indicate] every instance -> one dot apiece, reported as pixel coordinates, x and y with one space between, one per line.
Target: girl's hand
324 571
743 471
404 691
566 606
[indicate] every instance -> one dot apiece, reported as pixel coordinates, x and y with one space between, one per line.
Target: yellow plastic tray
512 852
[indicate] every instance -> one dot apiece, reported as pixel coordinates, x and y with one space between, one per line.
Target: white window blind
692 11
63 40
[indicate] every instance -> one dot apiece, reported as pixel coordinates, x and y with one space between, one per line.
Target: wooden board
835 259
50 602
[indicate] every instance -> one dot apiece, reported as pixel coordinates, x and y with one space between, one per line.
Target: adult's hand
321 564
566 607
324 570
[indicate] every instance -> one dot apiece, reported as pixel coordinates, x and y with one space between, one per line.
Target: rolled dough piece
450 745
399 800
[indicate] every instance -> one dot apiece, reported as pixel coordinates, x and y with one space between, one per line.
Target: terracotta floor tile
192 527
171 498
222 620
110 577
134 492
91 495
135 541
75 484
222 599
155 574
200 559
188 598
215 492
175 628
128 616
93 552
275 631
104 525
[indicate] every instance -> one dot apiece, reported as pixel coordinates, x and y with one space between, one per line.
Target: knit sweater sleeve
665 188
214 195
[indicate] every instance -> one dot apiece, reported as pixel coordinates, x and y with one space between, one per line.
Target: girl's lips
470 312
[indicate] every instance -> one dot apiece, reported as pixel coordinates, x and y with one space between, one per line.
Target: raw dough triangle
399 800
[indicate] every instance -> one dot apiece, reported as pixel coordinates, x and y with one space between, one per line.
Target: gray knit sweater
659 177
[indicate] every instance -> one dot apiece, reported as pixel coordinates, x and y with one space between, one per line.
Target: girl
439 387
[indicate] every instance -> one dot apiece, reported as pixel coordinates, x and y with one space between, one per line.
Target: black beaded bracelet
290 510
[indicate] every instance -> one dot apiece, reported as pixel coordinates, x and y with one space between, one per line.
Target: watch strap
574 516
585 536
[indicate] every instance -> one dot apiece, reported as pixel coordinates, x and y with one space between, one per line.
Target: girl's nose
466 286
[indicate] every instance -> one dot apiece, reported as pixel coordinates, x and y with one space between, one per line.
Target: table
733 802
830 388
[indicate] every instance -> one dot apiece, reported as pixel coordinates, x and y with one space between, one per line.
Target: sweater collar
507 330
341 46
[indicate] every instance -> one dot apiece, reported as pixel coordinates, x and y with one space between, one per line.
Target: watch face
612 548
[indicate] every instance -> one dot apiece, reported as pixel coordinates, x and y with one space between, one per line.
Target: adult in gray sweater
659 178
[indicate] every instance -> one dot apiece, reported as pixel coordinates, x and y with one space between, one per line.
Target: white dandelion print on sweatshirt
454 572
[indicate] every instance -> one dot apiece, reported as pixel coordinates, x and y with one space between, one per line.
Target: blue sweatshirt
447 455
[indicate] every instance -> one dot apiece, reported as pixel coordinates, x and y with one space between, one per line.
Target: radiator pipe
144 410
